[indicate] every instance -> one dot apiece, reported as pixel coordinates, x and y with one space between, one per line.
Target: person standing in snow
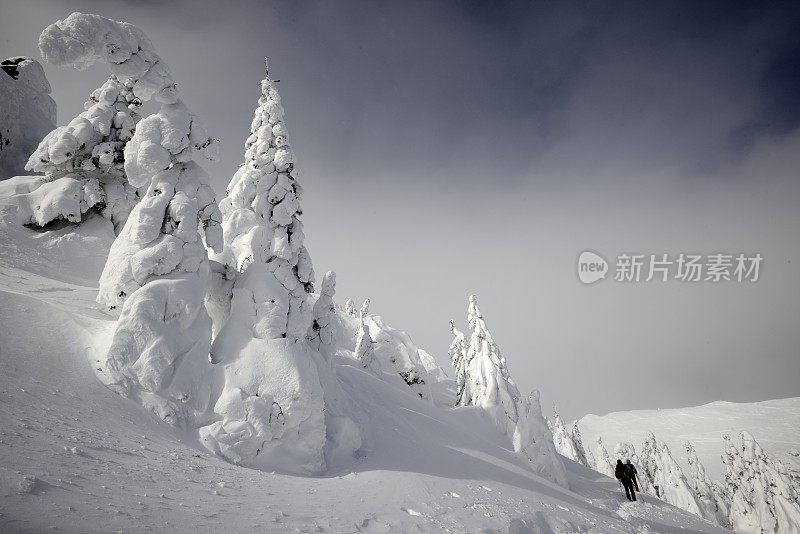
633 474
623 475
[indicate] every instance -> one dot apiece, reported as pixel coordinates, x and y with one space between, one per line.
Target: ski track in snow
76 457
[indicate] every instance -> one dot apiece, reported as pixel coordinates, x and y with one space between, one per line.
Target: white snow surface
775 424
76 457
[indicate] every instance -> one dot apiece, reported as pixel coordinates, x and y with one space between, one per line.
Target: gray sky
457 147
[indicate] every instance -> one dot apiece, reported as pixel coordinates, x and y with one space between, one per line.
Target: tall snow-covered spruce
261 213
157 270
280 401
487 384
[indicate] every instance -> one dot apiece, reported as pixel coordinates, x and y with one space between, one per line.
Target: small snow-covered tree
364 309
322 331
458 357
487 382
364 349
563 439
533 439
350 308
713 507
584 456
762 499
666 476
157 269
603 463
84 162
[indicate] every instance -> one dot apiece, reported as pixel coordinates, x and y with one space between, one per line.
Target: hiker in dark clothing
624 476
633 474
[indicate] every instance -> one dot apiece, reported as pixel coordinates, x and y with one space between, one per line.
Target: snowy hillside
78 457
774 423
171 361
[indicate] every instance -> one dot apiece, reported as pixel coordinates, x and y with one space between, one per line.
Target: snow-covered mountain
170 363
774 423
76 456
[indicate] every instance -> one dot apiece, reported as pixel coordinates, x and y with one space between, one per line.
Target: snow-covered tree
321 333
762 499
260 348
487 382
563 439
712 504
261 212
84 162
364 349
350 308
603 463
27 112
157 269
666 476
533 439
364 309
458 357
585 456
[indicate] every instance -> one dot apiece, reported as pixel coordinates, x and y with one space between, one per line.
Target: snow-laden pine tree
269 367
261 213
713 505
487 384
625 451
322 331
584 456
364 309
458 357
486 381
563 439
666 476
603 463
84 162
533 439
350 308
364 350
157 270
762 499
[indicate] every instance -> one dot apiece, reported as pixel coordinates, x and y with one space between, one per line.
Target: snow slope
77 457
775 424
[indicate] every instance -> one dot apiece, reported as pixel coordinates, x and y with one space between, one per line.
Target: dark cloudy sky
457 147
